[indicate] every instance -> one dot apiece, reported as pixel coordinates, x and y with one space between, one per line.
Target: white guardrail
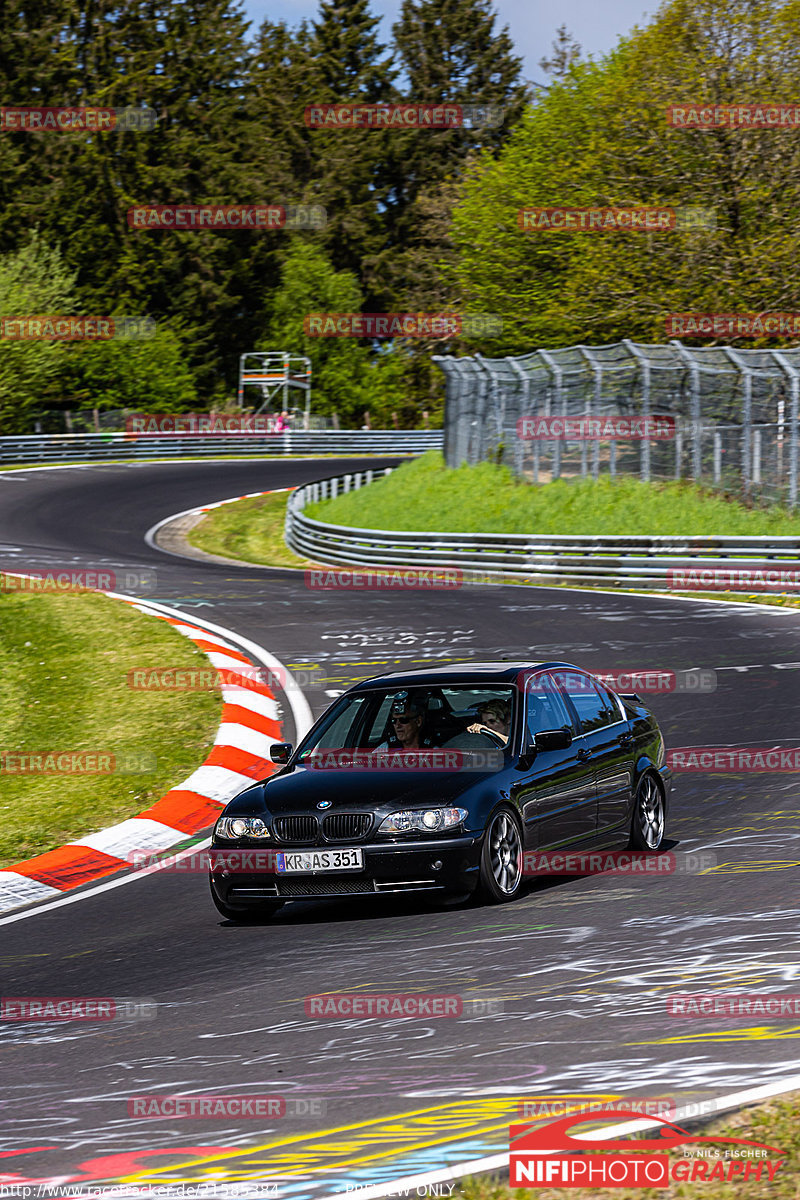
81 447
635 561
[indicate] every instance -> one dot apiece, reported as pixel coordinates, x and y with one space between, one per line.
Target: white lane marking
500 1162
74 897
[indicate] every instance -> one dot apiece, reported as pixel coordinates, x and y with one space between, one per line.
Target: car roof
460 673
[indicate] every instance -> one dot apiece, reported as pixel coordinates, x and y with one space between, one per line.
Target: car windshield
466 717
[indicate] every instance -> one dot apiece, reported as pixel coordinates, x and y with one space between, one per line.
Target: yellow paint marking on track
751 866
333 1149
756 1033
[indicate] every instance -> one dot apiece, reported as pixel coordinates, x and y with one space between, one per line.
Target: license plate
312 861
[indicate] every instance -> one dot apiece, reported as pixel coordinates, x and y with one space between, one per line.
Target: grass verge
249 530
776 1123
424 495
252 530
65 661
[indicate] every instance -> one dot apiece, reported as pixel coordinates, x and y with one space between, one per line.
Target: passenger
494 717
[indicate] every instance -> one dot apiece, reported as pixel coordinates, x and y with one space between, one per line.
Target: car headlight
423 820
239 827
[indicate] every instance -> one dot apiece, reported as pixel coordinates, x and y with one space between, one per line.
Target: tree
348 377
146 374
449 51
351 173
34 281
600 137
188 60
566 51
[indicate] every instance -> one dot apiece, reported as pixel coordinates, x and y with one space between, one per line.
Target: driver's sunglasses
402 720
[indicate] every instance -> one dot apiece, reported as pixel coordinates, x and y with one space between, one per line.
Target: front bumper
441 865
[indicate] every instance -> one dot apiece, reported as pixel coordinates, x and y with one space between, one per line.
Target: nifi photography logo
551 1155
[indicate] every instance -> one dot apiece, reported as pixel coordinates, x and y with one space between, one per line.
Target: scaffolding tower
275 372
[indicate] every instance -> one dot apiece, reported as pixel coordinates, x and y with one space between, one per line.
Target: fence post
521 410
694 385
557 374
717 456
644 367
794 393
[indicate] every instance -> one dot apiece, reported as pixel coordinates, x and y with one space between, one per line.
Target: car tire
501 858
246 914
649 815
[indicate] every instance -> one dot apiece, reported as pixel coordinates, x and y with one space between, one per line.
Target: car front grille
344 827
319 886
295 829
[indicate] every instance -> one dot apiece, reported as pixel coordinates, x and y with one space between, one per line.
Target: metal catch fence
730 415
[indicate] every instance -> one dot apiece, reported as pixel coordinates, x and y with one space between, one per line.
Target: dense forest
417 220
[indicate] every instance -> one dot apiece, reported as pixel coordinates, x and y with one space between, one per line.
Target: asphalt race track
582 967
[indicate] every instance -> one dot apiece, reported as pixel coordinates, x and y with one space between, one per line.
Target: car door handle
584 755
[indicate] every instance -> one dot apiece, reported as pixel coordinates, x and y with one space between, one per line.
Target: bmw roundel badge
324 803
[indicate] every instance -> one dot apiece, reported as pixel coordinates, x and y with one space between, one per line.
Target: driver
494 717
407 717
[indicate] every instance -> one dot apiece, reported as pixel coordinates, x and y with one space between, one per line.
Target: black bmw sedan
443 781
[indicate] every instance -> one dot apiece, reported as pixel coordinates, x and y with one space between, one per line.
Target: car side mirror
554 739
281 752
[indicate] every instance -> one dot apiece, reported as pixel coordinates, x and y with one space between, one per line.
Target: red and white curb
250 724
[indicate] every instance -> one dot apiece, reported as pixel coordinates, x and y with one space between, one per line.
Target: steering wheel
485 731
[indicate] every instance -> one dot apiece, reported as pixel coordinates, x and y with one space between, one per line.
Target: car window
341 730
612 704
364 721
545 706
592 708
